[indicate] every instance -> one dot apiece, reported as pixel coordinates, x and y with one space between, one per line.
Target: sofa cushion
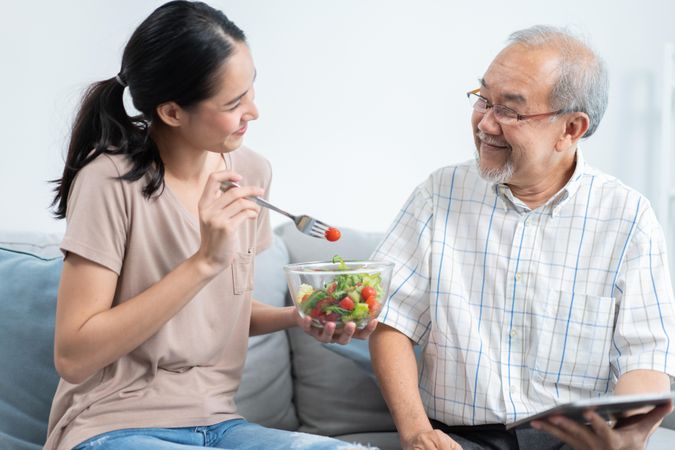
29 278
356 351
669 421
30 267
265 395
333 395
662 439
43 245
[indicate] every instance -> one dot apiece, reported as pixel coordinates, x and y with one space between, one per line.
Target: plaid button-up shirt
519 309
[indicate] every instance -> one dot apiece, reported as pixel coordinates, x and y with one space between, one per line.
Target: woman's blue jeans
233 434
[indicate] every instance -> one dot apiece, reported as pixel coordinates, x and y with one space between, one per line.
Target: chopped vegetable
349 297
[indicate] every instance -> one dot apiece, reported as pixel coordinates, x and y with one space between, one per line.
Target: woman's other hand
332 334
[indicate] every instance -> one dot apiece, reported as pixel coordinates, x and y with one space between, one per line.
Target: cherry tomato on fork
333 234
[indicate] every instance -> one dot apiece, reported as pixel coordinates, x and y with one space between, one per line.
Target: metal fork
304 223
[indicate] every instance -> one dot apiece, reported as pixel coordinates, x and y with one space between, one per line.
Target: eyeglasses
503 114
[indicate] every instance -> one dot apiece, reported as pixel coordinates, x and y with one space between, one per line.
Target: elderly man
529 278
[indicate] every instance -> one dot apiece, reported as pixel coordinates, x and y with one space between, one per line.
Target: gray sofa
290 380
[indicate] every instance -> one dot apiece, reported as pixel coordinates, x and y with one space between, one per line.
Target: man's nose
488 124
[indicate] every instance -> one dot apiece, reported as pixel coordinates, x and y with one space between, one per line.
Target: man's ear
576 125
170 113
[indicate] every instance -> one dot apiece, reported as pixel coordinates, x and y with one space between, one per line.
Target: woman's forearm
268 319
90 334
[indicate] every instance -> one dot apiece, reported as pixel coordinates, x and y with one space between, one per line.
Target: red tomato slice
333 234
347 303
373 305
332 317
368 292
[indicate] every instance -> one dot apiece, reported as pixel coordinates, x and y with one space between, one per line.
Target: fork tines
318 229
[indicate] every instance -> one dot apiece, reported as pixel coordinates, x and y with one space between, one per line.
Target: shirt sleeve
645 320
407 244
97 215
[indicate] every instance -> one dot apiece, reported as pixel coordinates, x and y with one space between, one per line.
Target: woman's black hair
174 55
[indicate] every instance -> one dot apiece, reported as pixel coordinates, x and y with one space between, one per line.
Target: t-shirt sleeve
407 244
644 335
263 227
97 215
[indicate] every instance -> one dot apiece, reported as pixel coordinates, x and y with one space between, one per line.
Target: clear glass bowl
327 293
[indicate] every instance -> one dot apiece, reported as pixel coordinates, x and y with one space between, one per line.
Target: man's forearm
642 382
394 363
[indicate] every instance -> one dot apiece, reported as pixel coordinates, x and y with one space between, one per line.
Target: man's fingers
648 421
446 442
560 433
599 425
433 440
579 431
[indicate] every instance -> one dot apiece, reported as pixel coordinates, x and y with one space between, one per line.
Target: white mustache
486 138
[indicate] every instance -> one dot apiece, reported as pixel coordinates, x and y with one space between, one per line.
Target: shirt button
518 276
513 333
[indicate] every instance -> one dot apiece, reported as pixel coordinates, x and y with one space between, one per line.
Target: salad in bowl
339 291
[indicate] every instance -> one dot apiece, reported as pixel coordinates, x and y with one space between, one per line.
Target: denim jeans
232 434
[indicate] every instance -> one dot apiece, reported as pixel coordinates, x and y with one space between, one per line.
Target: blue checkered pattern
520 309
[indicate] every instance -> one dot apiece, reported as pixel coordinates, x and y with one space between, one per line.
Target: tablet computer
609 407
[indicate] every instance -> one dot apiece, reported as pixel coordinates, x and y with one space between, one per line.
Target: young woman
154 308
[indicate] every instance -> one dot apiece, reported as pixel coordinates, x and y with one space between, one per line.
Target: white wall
359 99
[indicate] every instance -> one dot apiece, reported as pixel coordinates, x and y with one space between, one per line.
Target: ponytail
103 126
175 54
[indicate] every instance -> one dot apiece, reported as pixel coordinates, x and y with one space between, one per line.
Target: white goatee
499 175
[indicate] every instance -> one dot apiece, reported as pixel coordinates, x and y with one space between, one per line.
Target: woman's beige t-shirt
188 372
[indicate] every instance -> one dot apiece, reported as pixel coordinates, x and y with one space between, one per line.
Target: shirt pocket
242 272
571 336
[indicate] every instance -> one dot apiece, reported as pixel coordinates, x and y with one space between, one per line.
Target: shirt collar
553 204
566 193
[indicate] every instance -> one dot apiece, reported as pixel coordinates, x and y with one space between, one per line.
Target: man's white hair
582 84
